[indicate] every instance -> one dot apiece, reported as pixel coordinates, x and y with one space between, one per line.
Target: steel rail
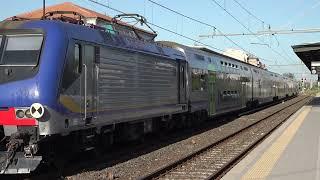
227 166
170 167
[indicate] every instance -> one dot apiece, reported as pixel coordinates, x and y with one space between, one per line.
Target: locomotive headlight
28 113
20 113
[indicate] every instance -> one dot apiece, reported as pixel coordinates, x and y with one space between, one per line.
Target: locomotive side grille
134 80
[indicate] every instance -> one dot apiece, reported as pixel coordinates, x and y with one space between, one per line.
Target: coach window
224 93
203 80
195 80
199 79
199 57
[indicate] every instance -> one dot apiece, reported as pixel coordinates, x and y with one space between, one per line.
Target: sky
273 50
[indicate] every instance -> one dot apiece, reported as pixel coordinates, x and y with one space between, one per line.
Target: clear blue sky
284 14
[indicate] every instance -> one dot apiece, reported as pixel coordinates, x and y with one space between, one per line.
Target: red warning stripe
8 117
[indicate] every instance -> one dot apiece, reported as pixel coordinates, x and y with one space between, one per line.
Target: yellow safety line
265 164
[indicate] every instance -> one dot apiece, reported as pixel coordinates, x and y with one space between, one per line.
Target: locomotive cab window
22 50
77 58
73 65
183 77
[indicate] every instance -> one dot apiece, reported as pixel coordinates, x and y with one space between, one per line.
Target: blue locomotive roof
84 33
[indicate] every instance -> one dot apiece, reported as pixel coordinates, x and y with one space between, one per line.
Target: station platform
292 152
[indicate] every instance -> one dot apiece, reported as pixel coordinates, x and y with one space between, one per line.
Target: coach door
88 81
212 92
182 82
243 93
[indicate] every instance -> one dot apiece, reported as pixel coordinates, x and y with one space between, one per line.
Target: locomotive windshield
20 50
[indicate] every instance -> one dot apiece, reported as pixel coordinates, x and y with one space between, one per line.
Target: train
73 86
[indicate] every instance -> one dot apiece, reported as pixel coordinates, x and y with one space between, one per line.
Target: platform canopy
310 55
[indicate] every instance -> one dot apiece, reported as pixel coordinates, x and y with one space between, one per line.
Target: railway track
119 155
212 161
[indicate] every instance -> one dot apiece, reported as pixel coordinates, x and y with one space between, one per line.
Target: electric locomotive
59 79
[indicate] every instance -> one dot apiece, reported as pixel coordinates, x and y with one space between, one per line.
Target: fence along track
211 161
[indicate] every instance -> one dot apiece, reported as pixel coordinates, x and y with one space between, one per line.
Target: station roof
308 53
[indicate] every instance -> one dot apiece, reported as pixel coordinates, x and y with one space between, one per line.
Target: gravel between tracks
214 159
147 163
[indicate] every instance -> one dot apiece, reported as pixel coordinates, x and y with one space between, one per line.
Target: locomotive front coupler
19 157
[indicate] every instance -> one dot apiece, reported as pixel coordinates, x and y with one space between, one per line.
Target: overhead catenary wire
160 27
244 26
168 30
185 37
271 32
245 9
282 48
200 22
207 24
